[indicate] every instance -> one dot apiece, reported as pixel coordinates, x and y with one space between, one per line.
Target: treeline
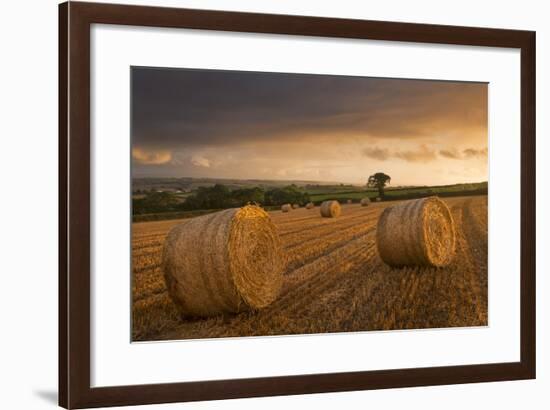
218 197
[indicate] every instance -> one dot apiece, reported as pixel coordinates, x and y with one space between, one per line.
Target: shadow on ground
49 396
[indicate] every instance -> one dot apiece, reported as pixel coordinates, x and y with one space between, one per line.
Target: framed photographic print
255 205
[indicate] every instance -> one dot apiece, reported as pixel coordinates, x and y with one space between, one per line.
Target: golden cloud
200 161
475 153
150 157
468 153
422 154
380 154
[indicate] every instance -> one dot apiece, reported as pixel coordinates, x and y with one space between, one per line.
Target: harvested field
334 280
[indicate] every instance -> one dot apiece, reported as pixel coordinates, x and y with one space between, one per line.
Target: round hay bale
378 199
295 206
420 232
310 205
228 261
365 201
349 201
286 208
330 209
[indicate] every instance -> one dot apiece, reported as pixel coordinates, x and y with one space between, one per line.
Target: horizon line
299 180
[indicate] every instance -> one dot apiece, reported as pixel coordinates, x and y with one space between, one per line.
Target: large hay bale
286 208
330 209
365 201
228 261
295 206
310 205
420 232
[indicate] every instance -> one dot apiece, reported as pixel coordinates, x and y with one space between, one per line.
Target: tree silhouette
379 181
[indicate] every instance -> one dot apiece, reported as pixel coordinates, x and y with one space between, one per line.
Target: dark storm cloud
422 154
475 153
452 154
174 108
467 153
381 154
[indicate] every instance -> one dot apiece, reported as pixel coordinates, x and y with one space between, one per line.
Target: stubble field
334 280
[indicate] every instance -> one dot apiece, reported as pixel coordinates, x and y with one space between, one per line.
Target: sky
255 125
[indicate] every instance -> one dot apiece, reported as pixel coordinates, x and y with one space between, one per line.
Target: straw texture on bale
286 208
228 261
310 205
330 209
295 206
365 201
417 233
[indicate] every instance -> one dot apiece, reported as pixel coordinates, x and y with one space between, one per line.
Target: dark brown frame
74 204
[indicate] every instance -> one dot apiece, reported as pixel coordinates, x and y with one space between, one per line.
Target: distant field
324 189
398 193
334 280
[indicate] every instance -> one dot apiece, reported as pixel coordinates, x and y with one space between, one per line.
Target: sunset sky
250 125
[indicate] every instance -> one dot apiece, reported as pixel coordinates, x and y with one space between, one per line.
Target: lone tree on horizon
379 181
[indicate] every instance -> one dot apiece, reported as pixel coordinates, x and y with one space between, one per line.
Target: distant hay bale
310 205
349 201
228 261
286 208
365 201
378 199
330 209
420 232
295 206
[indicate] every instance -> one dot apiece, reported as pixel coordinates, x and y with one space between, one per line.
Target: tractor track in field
322 230
318 222
308 253
312 275
322 283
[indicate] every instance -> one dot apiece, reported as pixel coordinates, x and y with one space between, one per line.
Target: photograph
274 204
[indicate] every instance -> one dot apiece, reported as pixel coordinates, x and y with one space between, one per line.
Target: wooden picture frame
75 20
